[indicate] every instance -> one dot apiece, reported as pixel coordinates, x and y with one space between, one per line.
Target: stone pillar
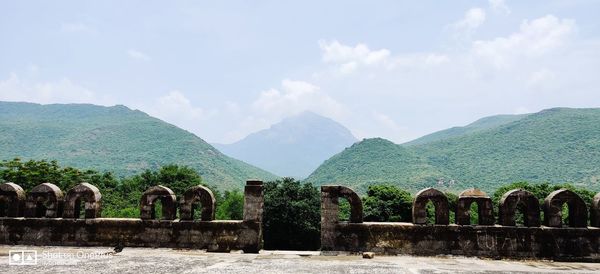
253 201
330 212
595 211
13 198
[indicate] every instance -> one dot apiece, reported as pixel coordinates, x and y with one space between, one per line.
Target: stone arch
13 198
595 211
514 200
440 202
333 193
484 205
89 195
553 209
197 194
44 200
167 198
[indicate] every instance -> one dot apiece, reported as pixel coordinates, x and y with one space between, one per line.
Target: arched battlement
44 200
595 211
440 202
330 202
553 209
12 200
83 194
519 199
168 201
484 205
194 195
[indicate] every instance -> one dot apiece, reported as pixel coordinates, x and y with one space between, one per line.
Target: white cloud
499 6
295 97
534 38
350 58
473 18
138 55
174 107
61 91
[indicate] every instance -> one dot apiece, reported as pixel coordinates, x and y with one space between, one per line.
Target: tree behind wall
292 215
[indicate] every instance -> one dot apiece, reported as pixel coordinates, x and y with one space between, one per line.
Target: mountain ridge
555 145
115 139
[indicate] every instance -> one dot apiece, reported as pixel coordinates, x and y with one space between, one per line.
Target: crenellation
440 202
12 198
519 199
553 209
83 194
502 240
484 207
197 195
167 199
43 224
44 200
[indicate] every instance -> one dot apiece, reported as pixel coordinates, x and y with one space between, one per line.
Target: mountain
481 124
293 147
115 139
555 145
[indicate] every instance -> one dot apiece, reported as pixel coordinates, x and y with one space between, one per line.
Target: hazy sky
395 69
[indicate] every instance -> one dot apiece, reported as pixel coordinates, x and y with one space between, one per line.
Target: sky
224 69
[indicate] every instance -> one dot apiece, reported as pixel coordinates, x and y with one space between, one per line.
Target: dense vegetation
113 139
292 216
554 146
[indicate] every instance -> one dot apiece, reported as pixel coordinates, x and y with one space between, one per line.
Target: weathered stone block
168 201
440 202
519 199
12 200
203 196
484 207
85 194
553 209
44 200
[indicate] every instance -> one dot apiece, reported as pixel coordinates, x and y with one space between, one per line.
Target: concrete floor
163 260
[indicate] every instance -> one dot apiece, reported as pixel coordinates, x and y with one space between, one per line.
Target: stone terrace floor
163 260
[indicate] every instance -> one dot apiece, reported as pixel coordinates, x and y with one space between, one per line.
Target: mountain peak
293 147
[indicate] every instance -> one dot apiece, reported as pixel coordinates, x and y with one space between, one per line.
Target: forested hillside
115 139
555 145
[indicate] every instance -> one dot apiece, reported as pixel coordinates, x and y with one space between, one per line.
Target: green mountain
481 124
555 145
294 147
115 139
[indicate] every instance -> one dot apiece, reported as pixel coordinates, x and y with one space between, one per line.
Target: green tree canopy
387 203
292 216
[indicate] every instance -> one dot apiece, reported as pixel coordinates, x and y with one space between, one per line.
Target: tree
387 203
292 217
230 206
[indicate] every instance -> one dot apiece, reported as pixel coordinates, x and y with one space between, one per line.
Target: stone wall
574 240
47 217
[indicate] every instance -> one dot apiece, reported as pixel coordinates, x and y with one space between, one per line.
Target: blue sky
392 69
